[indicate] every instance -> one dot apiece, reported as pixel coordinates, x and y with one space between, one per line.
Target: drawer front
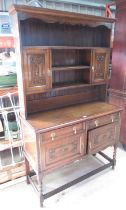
103 120
57 133
64 150
102 137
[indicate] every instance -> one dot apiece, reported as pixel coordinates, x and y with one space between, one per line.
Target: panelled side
30 147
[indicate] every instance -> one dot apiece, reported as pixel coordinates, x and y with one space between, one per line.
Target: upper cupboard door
100 65
37 70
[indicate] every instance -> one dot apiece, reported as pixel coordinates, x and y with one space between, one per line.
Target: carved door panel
63 150
37 70
102 137
100 65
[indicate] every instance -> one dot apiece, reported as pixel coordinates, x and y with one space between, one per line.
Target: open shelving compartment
70 66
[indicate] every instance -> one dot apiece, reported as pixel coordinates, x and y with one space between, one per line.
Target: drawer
65 150
58 133
102 120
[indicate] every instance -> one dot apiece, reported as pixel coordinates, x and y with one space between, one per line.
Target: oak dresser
63 60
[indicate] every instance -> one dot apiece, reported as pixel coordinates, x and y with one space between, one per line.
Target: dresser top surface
71 114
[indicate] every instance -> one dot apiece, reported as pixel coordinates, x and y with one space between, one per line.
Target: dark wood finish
63 133
100 65
54 61
62 150
100 121
37 65
65 96
117 91
69 68
63 72
102 137
49 34
89 111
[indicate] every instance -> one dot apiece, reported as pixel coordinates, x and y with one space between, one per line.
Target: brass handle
75 130
53 136
96 123
93 68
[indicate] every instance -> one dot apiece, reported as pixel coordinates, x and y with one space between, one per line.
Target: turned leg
94 154
41 200
40 185
114 156
27 167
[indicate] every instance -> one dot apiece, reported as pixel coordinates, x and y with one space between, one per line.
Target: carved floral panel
101 137
37 73
100 66
37 66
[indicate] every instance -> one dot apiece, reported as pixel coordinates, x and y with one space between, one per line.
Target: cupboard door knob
49 72
112 118
53 136
96 123
75 130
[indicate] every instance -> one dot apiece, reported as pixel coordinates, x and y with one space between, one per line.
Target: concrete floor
106 190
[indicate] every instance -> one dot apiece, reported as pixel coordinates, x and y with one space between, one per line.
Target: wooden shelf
70 85
75 85
68 68
65 47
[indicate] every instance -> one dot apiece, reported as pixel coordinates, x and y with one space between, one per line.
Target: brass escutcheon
53 136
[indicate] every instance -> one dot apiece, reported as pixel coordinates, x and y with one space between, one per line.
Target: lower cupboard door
62 151
102 137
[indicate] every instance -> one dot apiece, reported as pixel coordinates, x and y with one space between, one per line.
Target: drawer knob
75 130
53 136
96 123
